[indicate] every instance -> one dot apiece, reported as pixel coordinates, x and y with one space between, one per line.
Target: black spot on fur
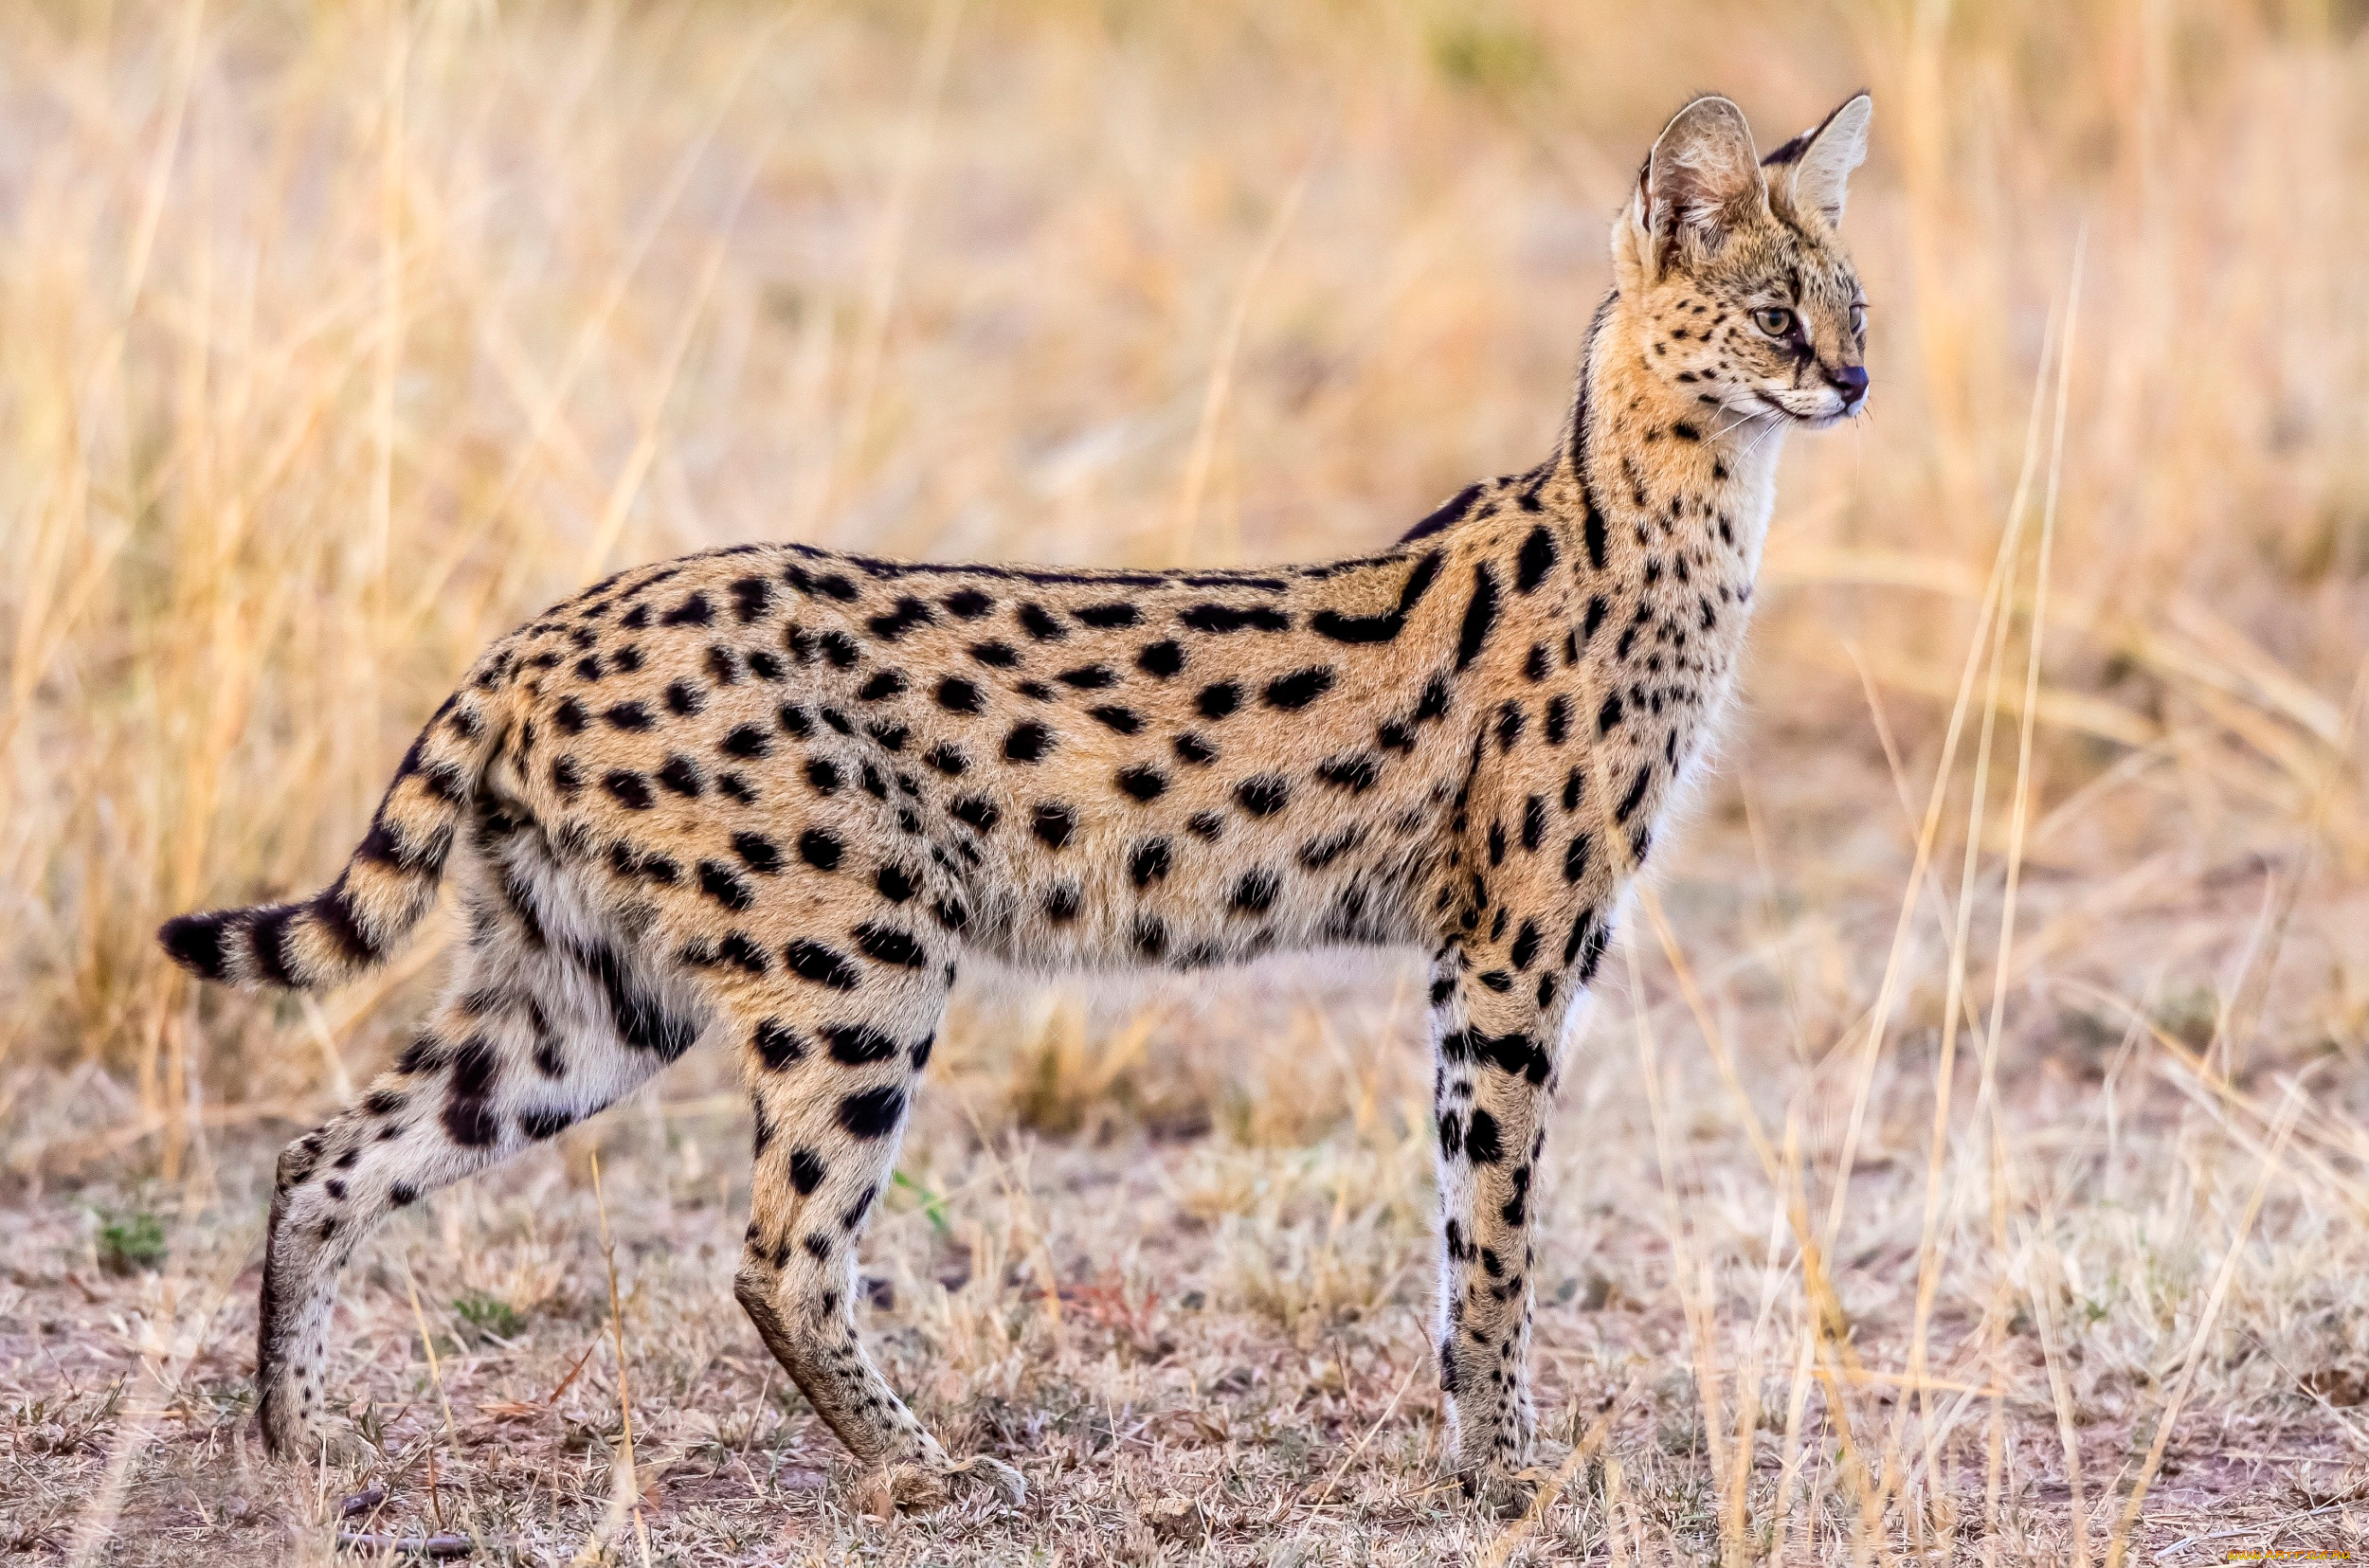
872 1113
1356 772
721 883
1481 1140
1027 741
887 945
811 961
857 1045
820 848
1229 618
1150 937
777 1045
1289 694
1447 516
1480 615
910 612
1263 795
1148 862
195 941
1160 660
1040 624
545 1122
1537 560
1635 797
1254 892
1111 715
759 853
752 596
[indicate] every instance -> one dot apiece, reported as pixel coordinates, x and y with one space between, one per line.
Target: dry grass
1965 1162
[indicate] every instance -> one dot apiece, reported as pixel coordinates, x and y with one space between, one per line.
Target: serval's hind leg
831 1069
526 1045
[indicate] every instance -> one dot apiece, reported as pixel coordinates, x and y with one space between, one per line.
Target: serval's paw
1501 1491
293 1438
923 1485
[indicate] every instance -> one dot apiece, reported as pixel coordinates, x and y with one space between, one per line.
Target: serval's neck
1664 495
1665 464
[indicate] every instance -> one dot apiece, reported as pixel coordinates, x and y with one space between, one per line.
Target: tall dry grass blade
443 1404
1959 945
2019 818
886 270
1581 1451
1688 1272
625 1494
94 1535
2118 1545
1220 386
636 468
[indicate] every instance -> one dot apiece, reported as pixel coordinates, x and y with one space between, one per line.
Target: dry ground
1965 1162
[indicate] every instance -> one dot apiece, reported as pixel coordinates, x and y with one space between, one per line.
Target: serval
772 795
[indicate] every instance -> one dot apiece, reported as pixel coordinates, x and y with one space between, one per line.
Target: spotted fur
771 796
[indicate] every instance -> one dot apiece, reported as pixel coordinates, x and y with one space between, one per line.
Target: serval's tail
362 919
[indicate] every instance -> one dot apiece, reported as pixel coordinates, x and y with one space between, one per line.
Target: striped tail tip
195 942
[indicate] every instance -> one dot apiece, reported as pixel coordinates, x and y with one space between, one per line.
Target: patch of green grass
489 1316
131 1241
931 1206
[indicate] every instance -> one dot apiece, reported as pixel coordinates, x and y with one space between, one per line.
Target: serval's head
1733 269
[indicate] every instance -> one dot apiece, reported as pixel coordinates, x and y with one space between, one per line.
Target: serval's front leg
1499 1008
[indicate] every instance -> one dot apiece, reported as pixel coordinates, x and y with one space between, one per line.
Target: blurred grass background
336 341
341 338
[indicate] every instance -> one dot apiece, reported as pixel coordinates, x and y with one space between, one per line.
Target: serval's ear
1700 181
1811 172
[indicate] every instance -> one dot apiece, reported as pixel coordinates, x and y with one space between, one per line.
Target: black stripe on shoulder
1455 512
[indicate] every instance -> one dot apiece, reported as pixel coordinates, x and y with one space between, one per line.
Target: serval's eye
1858 317
1773 319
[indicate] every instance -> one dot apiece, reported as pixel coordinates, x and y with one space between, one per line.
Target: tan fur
773 796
